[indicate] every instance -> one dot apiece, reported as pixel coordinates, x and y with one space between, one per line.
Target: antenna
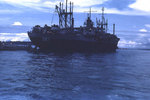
90 12
103 19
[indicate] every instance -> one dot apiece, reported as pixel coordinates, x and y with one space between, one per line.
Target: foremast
66 19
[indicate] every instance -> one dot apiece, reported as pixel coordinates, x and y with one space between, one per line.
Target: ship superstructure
66 37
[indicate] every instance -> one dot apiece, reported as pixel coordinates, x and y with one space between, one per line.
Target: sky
132 17
28 12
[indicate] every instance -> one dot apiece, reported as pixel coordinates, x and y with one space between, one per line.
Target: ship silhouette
66 37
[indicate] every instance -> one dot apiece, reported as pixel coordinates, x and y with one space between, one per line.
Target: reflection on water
49 76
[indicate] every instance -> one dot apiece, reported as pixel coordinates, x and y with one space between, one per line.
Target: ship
66 37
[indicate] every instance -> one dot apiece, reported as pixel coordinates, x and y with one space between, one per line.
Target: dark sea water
122 75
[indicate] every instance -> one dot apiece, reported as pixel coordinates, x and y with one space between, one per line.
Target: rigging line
52 17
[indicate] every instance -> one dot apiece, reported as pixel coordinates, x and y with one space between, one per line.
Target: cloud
128 44
81 3
143 30
5 11
44 5
14 37
50 3
79 6
142 35
21 2
147 25
86 3
26 3
17 24
143 5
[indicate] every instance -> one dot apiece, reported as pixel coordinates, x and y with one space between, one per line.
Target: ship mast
90 11
66 19
89 23
66 15
103 25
